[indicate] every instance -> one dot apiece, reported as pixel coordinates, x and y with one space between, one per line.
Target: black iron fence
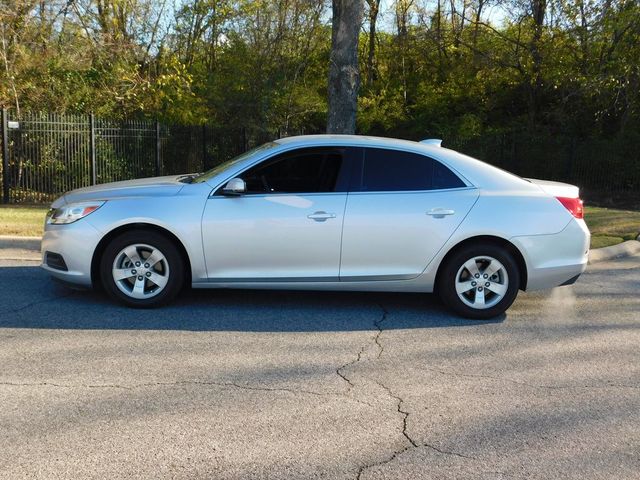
606 170
45 154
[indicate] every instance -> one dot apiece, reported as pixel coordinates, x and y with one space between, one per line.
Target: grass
22 220
608 226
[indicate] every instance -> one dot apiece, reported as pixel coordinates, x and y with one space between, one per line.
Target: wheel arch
104 241
510 247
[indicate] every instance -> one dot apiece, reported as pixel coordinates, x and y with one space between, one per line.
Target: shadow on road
30 299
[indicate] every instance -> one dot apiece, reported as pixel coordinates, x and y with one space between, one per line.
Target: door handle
321 216
440 212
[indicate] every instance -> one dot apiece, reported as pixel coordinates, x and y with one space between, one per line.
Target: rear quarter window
383 170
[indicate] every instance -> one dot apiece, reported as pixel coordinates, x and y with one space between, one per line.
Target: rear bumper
558 259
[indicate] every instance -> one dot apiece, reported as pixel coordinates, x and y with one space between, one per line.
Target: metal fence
606 170
45 154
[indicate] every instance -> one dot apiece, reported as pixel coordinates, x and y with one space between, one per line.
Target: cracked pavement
297 385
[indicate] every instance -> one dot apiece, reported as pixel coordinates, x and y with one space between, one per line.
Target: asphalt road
243 385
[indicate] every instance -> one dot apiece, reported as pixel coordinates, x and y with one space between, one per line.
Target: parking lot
242 384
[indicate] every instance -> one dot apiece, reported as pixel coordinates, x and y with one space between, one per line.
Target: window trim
344 175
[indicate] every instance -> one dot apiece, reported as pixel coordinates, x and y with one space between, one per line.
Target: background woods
523 83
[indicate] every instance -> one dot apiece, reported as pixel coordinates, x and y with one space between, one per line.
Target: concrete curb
624 249
20 243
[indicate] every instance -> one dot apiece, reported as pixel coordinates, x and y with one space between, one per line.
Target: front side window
392 170
302 171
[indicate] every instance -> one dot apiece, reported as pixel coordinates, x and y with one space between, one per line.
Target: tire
468 292
130 280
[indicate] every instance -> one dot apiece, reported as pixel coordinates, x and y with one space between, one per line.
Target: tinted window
391 170
303 171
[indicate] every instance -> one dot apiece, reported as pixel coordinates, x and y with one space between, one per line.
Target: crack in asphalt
399 401
37 302
348 364
376 340
188 383
378 325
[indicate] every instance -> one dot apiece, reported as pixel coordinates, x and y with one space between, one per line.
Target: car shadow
30 299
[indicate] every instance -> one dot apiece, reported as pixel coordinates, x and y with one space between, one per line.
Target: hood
142 187
556 189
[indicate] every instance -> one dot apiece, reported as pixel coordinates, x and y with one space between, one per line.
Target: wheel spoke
155 257
492 268
158 279
472 267
497 288
479 300
462 287
138 288
122 273
132 253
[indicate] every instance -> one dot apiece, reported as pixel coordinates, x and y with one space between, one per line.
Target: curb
20 243
624 249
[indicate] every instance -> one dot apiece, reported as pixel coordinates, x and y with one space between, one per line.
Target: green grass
608 226
25 221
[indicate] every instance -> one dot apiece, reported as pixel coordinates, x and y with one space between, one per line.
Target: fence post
204 147
92 149
158 164
5 156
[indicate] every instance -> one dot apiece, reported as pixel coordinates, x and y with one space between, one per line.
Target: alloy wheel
481 282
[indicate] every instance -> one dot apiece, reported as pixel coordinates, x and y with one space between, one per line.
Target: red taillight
574 205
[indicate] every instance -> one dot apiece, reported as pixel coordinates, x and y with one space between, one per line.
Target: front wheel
142 269
479 281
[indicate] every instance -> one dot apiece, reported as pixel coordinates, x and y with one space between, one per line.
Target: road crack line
188 383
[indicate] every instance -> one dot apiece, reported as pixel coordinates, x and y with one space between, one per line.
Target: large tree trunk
344 73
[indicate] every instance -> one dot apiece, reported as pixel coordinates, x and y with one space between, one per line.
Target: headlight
72 212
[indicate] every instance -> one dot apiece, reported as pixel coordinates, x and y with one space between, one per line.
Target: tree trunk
344 73
374 8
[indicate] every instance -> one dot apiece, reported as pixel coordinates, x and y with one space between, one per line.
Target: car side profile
325 212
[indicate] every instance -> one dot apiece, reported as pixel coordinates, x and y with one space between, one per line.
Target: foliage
456 69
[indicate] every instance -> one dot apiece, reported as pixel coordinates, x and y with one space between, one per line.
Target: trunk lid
556 189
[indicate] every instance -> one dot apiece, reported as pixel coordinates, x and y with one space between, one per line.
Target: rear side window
392 171
301 171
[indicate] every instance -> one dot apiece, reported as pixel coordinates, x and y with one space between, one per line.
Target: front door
288 225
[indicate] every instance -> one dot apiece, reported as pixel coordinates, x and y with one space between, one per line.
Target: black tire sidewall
446 281
153 239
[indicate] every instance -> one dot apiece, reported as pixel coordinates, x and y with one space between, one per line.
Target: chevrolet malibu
325 212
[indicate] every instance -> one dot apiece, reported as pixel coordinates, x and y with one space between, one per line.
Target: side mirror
235 187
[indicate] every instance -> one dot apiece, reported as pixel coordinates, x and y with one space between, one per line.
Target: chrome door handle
440 212
321 216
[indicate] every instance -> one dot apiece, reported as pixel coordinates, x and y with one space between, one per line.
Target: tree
344 72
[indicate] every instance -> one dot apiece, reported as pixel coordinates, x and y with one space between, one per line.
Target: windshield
229 163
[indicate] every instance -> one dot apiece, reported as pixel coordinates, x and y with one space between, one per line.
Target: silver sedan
325 212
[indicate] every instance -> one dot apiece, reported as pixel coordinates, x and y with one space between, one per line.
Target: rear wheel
142 269
479 281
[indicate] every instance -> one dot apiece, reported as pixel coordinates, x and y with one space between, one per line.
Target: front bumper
75 243
558 259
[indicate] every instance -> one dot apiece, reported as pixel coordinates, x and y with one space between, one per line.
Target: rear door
402 208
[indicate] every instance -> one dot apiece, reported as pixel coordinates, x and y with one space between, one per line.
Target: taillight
574 205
